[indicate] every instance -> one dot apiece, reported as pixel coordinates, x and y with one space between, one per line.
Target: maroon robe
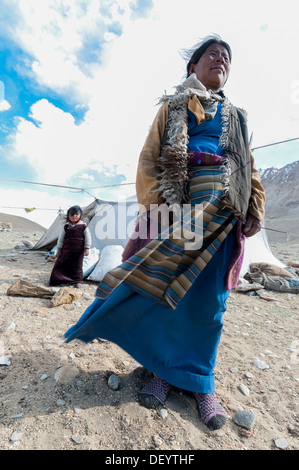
68 266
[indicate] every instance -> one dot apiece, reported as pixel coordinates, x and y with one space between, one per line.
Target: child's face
74 218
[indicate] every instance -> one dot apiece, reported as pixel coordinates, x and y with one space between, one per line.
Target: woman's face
213 67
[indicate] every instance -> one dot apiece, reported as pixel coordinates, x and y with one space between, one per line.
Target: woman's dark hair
74 210
194 54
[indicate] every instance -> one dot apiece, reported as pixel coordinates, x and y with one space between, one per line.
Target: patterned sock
210 410
154 393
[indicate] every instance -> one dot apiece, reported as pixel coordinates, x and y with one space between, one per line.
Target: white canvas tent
111 224
257 250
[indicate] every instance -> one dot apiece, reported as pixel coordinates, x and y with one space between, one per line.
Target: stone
163 413
65 295
260 364
28 244
249 375
113 382
60 402
244 418
66 374
281 444
78 438
16 436
243 389
5 360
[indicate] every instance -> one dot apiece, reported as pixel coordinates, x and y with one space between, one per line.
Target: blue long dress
179 345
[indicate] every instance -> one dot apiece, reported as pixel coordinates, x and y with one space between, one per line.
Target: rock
5 360
291 428
77 438
163 413
244 418
60 402
249 375
28 244
281 444
260 364
113 382
66 374
65 295
16 436
5 227
243 389
234 407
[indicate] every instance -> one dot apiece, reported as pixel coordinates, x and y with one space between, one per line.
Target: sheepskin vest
174 158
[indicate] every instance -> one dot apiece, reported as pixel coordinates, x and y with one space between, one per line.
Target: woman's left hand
252 226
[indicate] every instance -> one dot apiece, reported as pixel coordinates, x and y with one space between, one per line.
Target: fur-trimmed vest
174 157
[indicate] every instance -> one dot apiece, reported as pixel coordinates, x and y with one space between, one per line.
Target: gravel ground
56 396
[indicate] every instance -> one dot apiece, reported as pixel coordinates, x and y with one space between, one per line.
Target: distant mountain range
20 223
282 202
282 205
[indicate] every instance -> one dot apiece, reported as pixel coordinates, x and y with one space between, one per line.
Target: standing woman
73 244
165 303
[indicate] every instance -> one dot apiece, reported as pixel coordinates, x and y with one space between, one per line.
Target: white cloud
133 69
52 144
4 105
46 205
86 176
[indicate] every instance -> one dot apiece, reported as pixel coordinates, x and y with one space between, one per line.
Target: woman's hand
86 251
252 226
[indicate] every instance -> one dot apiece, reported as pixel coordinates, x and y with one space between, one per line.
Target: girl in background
73 244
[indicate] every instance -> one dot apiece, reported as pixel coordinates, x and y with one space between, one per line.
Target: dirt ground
42 410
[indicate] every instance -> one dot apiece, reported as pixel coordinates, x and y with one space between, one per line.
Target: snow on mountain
282 201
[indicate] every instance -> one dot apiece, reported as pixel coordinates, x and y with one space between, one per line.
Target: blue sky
80 79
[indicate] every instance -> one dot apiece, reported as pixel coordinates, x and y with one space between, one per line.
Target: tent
112 223
257 250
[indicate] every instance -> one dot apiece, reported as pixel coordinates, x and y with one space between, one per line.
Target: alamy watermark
120 221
